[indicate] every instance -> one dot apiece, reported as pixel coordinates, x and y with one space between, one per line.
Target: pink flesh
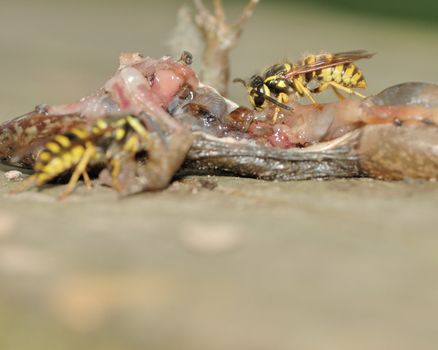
306 124
140 85
166 85
281 137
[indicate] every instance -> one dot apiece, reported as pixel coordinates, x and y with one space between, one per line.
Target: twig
220 37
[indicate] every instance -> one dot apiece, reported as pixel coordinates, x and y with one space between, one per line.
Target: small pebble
208 184
211 239
14 175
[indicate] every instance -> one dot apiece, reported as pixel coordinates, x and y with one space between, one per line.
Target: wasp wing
329 60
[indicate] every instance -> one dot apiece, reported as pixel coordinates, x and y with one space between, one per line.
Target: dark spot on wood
208 184
427 121
398 122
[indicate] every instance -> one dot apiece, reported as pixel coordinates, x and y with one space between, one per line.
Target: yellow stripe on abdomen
63 141
356 78
338 73
348 73
50 165
325 75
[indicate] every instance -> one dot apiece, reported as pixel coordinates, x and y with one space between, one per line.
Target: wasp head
257 91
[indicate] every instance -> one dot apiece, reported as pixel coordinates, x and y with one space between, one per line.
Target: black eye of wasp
257 91
259 97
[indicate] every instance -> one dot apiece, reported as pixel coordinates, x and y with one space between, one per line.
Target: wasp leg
115 172
25 185
121 174
276 112
324 86
282 98
87 180
338 94
79 170
305 91
349 91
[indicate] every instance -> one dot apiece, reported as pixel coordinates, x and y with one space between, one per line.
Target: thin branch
219 11
201 9
220 37
246 14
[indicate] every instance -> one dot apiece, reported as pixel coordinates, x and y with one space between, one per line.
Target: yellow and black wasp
106 143
277 83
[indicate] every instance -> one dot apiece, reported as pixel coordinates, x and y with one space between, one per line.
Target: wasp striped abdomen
60 155
348 75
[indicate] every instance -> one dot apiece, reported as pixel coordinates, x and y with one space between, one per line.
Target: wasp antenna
279 104
238 80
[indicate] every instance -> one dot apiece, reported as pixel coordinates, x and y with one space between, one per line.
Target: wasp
110 143
278 82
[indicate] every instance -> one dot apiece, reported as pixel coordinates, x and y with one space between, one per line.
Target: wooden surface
248 264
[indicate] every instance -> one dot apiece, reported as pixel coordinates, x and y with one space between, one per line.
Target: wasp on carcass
109 143
278 82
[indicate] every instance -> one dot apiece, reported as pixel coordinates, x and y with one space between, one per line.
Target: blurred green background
420 10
